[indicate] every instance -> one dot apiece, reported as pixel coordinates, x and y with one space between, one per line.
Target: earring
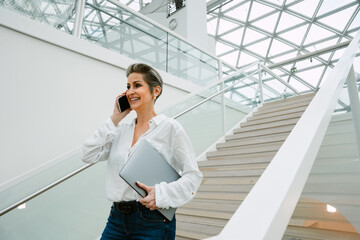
155 97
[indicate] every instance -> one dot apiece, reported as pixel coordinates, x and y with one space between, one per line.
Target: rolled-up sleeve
180 192
97 147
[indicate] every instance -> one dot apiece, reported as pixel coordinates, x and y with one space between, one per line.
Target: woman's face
138 92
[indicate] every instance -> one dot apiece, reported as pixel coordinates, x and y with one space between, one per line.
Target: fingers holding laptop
148 201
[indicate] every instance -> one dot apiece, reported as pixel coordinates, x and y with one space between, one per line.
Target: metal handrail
215 94
48 187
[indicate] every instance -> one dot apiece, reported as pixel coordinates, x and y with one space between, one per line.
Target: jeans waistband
129 207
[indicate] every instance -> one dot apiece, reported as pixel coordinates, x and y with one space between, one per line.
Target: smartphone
123 103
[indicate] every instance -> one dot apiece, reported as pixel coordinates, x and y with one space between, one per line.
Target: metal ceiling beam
309 55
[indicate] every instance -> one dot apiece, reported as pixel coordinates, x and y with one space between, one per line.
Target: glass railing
330 201
59 14
75 209
40 180
113 27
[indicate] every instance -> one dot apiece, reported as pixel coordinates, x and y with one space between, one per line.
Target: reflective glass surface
59 14
40 180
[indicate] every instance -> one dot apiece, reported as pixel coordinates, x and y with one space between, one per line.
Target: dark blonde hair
150 75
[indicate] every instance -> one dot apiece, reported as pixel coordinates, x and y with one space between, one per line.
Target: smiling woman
133 217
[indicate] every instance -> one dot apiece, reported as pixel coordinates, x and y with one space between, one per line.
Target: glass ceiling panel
356 21
225 26
234 37
317 33
288 21
312 76
329 5
258 10
246 59
338 20
251 36
239 13
306 8
278 47
222 48
259 48
268 23
296 35
327 29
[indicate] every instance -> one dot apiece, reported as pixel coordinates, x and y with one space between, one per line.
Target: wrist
115 119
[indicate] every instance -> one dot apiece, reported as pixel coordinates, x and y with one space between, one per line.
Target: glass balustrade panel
116 29
59 14
75 209
190 63
39 180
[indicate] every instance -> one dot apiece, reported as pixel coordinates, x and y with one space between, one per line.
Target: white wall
54 91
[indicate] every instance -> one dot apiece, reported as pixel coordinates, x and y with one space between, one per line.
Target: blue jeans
140 225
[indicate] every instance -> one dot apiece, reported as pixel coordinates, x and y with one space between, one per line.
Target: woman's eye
137 85
128 87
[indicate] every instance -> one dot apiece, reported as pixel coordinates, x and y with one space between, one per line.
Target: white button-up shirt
168 137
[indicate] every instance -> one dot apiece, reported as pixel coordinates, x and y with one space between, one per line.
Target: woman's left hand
148 201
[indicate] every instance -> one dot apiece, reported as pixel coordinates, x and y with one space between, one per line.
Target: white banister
266 211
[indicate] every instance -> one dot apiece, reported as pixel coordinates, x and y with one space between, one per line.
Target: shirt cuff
161 195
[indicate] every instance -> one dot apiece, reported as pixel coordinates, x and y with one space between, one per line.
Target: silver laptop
147 166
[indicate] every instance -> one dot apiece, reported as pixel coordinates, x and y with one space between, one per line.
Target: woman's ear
157 91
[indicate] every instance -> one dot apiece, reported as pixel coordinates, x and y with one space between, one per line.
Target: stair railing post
80 9
354 105
223 118
260 85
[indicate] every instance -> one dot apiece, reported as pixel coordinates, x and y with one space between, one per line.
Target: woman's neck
144 117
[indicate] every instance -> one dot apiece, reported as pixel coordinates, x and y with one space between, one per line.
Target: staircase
232 170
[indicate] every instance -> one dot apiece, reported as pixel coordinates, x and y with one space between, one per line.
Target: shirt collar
155 120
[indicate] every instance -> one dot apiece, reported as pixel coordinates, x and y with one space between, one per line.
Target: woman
133 217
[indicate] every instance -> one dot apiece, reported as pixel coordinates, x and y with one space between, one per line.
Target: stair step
186 234
204 213
271 119
261 132
233 180
234 146
308 96
253 141
227 188
224 206
245 150
202 229
247 157
239 173
235 167
231 162
262 115
256 139
223 196
288 101
286 122
282 108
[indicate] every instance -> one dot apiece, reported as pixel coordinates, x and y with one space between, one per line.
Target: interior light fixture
330 208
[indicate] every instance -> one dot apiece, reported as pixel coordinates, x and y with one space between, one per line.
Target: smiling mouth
134 99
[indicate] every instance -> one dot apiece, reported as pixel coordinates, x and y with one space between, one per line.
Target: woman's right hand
117 116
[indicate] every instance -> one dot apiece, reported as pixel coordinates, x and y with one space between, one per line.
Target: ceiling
272 31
